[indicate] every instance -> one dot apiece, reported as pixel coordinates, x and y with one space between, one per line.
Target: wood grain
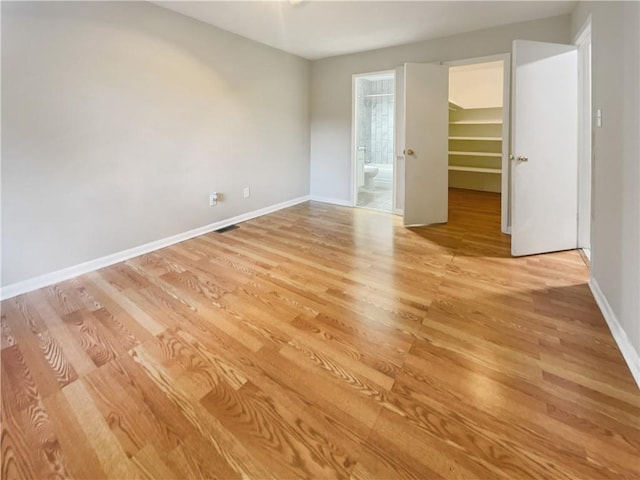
321 342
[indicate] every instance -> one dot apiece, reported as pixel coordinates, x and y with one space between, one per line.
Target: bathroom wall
375 119
119 119
381 103
363 127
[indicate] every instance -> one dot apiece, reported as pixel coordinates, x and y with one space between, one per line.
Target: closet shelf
488 139
476 122
477 154
474 169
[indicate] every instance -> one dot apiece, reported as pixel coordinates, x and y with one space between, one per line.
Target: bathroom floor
379 197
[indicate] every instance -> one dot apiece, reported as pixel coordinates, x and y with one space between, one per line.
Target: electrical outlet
213 199
247 192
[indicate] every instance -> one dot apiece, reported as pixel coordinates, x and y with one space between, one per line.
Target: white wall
477 85
615 243
119 118
331 89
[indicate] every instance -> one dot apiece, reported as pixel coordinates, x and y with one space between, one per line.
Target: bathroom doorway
374 120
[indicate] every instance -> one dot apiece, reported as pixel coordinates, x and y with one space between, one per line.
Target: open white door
544 148
426 109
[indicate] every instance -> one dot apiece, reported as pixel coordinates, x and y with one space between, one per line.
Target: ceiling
316 29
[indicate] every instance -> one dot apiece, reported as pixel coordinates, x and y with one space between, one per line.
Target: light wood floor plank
321 342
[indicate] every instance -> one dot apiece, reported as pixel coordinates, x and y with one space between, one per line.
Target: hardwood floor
321 342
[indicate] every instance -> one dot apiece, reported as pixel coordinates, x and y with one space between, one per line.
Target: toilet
369 173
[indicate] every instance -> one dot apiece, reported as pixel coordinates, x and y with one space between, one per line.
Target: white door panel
544 173
426 109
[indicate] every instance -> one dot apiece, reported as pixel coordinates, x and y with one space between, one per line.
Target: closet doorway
479 126
374 133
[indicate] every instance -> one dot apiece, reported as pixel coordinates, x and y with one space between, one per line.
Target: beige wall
119 119
616 156
477 85
331 89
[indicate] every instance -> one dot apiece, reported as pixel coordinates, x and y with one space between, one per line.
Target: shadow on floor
473 228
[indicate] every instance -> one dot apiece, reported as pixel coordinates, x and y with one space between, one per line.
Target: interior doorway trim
505 197
354 123
585 139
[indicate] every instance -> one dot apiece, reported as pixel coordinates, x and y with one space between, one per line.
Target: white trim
332 201
354 158
585 29
505 207
619 335
585 135
41 281
470 61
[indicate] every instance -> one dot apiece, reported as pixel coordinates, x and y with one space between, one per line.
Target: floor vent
226 229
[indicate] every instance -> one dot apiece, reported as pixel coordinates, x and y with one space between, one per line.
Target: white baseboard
619 335
35 283
333 201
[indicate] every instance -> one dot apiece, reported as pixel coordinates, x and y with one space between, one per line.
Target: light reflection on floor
380 197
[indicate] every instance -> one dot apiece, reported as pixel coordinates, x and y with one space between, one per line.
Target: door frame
354 146
582 40
505 177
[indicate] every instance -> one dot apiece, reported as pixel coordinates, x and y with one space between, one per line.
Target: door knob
408 151
522 159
